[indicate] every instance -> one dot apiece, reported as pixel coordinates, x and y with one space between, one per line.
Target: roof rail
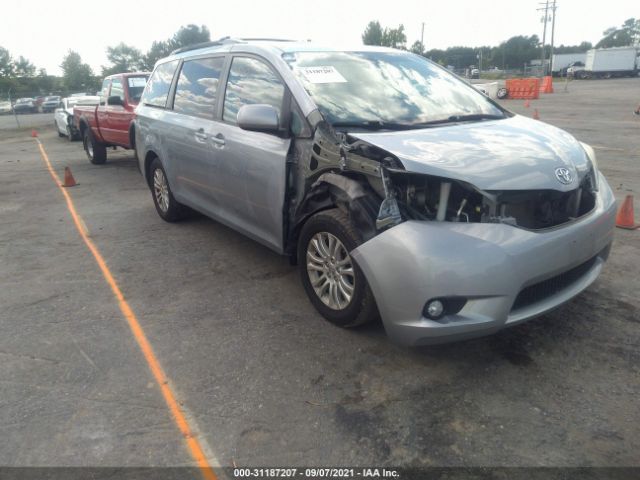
215 43
267 39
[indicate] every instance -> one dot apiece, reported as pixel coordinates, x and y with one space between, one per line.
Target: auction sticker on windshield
324 74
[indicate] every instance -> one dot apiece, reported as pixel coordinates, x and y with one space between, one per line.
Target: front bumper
489 265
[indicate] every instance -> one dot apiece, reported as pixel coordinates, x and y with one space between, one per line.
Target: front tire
96 151
169 209
333 282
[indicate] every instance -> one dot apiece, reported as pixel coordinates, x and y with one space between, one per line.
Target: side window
251 81
157 89
197 87
104 91
116 88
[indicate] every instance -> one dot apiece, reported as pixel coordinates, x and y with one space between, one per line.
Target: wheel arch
132 135
149 157
331 190
82 126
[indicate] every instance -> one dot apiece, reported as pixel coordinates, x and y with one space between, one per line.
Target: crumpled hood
516 153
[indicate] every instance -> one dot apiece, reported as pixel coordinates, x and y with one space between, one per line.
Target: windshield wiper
471 117
381 125
376 125
474 116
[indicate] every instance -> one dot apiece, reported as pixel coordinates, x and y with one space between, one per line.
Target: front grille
539 209
542 290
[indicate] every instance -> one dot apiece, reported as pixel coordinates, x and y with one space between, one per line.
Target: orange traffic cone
69 181
625 217
34 134
536 116
527 103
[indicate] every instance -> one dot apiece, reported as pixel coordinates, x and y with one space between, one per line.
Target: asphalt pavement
261 377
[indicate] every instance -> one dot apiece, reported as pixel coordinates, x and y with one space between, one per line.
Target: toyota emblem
564 175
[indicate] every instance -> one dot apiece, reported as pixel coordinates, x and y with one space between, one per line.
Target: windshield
385 88
51 99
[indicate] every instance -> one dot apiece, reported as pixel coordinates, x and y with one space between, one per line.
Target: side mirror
259 118
115 100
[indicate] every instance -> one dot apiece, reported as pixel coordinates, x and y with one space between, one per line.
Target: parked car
50 104
562 61
399 189
5 107
575 70
38 102
110 122
63 117
25 105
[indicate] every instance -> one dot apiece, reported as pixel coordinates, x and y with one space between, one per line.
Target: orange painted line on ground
195 449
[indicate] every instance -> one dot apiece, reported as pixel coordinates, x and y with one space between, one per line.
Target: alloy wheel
161 189
330 270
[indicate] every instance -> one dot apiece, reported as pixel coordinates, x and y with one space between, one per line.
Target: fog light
434 309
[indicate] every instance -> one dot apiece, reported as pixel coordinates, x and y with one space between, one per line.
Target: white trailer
560 61
611 62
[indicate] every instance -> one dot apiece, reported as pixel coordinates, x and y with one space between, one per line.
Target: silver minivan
400 190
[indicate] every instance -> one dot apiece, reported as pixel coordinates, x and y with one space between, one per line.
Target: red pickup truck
109 124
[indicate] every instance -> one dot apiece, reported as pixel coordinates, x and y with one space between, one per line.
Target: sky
43 30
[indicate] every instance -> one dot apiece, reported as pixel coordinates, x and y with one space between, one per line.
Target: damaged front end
423 197
372 185
445 258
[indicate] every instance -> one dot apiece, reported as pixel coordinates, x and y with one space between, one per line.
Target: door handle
200 135
218 140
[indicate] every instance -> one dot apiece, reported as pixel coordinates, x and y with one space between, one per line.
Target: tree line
20 77
510 54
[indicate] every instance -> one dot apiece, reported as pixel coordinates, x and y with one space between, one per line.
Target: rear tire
96 151
60 134
333 282
169 209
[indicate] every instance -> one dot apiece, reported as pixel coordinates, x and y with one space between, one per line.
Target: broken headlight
593 174
424 197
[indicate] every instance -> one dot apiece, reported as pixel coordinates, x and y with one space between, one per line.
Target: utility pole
422 37
553 31
544 33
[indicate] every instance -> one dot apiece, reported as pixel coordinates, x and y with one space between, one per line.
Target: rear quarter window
157 89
